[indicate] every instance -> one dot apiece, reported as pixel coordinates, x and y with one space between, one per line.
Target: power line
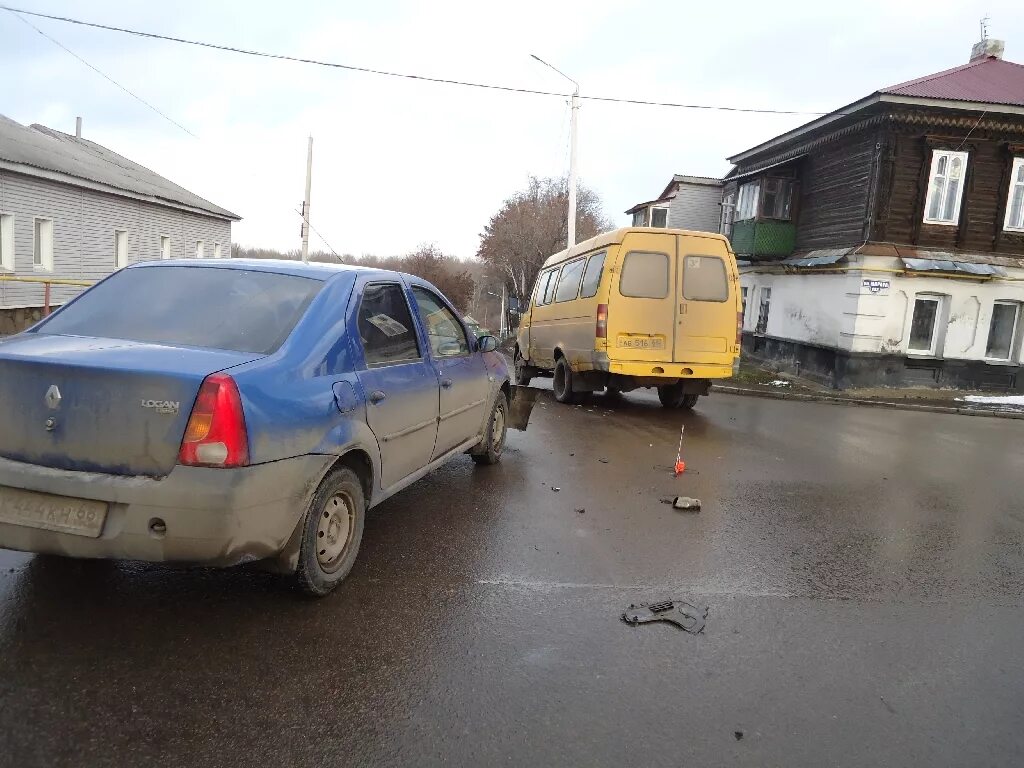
17 15
386 73
317 233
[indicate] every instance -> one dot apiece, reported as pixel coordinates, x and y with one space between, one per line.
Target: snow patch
995 399
779 383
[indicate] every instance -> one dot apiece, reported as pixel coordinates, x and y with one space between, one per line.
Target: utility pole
573 118
504 314
571 229
305 204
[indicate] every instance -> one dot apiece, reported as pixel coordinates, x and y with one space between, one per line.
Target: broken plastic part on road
685 502
679 613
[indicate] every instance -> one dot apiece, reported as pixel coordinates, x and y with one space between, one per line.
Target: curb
960 410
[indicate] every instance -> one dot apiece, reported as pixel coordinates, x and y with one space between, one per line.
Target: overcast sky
399 162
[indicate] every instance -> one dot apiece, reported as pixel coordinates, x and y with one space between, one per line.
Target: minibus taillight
602 321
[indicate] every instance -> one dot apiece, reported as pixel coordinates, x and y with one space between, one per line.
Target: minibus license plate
642 342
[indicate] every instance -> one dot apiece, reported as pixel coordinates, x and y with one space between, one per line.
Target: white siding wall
696 206
837 310
84 222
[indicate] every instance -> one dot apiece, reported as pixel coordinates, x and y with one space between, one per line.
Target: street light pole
305 203
573 123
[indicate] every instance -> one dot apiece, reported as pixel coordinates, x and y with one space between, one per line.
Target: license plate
642 342
81 517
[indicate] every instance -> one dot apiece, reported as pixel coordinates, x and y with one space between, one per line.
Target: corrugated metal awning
955 267
818 258
745 174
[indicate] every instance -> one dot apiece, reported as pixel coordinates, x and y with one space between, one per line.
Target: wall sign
876 285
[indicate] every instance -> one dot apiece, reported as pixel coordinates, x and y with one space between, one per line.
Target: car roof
315 270
616 236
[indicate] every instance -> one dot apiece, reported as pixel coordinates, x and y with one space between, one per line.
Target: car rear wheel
524 372
489 451
671 396
562 382
332 533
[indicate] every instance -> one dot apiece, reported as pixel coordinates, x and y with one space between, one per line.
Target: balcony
765 237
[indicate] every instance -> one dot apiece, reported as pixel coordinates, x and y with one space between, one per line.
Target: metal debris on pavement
556 489
685 502
680 613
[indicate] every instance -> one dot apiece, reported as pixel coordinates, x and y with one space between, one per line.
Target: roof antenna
984 27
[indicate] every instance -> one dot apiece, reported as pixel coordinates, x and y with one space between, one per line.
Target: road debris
603 461
738 735
680 465
581 511
680 613
685 502
555 488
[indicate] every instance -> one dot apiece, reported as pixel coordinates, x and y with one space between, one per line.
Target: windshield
230 309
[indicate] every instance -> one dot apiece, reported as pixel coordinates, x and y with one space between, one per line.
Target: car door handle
446 383
376 396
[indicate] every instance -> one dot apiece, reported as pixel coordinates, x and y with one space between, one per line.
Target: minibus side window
704 279
542 284
549 289
569 282
644 275
592 277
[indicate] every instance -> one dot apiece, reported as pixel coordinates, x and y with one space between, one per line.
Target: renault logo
53 397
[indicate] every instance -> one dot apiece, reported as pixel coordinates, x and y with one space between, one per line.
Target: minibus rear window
644 275
704 279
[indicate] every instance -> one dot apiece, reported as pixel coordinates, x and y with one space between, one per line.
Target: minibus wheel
562 382
671 396
524 372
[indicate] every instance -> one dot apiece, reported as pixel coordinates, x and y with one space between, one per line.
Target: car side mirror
486 344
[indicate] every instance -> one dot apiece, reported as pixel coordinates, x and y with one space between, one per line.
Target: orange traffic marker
680 466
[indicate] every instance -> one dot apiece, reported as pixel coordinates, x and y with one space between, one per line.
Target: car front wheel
332 533
490 449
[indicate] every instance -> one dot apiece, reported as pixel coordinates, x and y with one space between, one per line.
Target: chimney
78 127
983 49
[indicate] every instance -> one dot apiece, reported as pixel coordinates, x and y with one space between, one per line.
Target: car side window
569 283
444 332
385 326
592 276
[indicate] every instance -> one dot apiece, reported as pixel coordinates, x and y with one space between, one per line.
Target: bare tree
532 225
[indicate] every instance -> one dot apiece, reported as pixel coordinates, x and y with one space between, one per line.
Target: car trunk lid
100 405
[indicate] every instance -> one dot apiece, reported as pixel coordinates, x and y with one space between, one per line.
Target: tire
337 508
671 396
562 382
524 372
489 451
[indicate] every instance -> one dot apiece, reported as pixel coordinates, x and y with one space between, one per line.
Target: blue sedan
223 412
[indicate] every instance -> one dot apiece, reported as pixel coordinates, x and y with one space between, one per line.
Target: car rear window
644 275
214 308
704 279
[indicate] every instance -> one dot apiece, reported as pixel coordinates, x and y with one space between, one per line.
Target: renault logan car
222 412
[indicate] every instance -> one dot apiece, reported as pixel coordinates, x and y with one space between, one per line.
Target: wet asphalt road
863 568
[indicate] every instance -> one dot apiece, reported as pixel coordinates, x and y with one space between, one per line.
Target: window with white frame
728 214
924 324
7 242
1002 331
165 247
659 217
120 248
199 249
216 250
1015 199
945 187
42 244
746 204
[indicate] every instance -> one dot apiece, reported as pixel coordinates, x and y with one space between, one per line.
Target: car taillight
602 321
739 329
216 434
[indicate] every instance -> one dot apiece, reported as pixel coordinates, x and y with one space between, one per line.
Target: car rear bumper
211 516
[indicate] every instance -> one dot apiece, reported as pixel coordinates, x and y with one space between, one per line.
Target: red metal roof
988 79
